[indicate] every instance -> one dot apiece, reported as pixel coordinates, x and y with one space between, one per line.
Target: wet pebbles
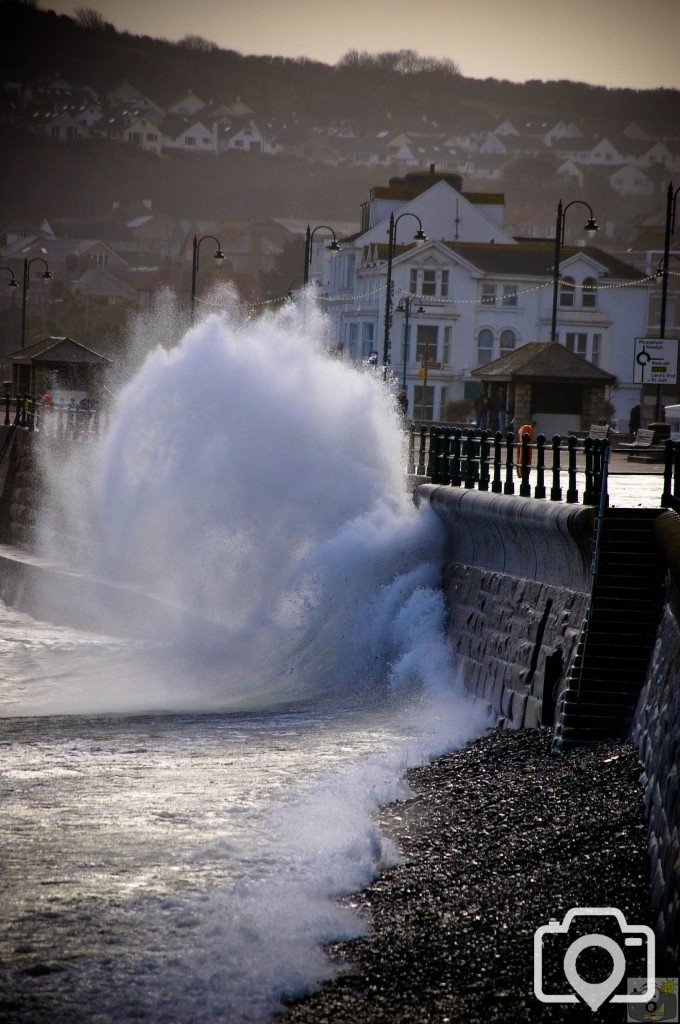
499 838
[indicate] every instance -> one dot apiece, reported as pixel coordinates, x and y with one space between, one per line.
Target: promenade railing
55 419
503 464
670 497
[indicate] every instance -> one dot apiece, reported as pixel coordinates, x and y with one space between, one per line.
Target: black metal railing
503 464
56 419
670 497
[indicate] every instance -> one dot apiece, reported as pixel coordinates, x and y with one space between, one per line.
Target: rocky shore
499 838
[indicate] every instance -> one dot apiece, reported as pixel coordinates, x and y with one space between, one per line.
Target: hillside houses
64 112
120 260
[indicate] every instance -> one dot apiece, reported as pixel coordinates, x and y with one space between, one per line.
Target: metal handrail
500 462
594 564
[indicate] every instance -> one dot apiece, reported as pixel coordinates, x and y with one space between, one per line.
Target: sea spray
255 482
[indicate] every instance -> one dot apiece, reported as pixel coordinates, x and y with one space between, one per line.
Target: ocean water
181 808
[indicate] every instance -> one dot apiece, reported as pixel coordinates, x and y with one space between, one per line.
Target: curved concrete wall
536 540
517 580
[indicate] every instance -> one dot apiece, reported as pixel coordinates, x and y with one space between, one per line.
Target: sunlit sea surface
181 810
181 867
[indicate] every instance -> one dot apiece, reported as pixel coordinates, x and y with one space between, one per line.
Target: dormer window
567 293
429 282
589 293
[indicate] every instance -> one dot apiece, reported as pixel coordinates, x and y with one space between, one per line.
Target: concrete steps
611 662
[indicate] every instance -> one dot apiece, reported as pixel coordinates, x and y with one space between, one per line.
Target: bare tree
92 20
198 43
401 62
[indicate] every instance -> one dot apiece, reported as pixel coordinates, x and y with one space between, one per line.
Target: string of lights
431 300
368 297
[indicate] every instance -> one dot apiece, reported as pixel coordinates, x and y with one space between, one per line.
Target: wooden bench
599 432
643 439
647 447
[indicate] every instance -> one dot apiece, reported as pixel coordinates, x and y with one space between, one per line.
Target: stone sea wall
517 580
518 586
657 734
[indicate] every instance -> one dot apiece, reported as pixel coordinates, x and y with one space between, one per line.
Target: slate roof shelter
56 364
543 381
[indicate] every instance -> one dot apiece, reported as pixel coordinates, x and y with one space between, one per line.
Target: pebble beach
497 839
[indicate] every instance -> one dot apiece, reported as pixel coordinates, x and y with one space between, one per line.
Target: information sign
655 361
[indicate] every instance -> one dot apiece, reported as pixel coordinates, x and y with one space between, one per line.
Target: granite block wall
517 581
514 639
657 734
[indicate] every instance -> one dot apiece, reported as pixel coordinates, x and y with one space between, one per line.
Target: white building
144 133
191 136
483 292
631 181
188 106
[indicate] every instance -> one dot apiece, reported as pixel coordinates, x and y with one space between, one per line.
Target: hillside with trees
366 96
362 87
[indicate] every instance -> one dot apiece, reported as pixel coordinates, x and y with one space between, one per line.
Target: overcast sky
632 43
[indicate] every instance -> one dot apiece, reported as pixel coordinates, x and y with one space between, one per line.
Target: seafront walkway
631 485
565 470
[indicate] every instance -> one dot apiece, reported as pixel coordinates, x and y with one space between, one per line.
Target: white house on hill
483 293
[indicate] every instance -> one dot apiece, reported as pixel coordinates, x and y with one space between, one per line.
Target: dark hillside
293 102
35 43
85 178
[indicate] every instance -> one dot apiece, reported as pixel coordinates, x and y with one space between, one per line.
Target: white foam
259 482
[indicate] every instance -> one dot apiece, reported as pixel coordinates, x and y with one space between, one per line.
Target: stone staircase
609 669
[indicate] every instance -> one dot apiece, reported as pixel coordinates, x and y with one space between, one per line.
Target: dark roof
485 198
536 259
542 361
96 281
382 249
352 238
56 350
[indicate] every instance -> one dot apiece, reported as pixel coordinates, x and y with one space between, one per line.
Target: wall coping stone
525 537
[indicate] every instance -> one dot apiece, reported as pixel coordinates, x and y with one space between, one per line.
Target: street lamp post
671 203
662 272
218 257
419 238
46 276
405 308
333 248
590 228
12 283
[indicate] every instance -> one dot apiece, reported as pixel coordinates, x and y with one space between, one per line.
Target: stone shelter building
544 382
60 367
